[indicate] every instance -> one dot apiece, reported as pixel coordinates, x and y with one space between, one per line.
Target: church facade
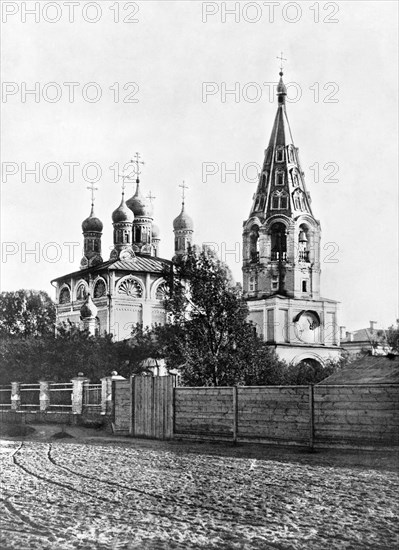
281 256
112 296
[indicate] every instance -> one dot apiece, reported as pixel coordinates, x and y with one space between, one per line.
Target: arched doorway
309 370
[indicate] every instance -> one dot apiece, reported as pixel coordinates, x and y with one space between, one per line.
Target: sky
190 86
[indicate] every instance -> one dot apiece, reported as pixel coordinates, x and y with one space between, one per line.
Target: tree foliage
26 313
58 359
393 337
209 339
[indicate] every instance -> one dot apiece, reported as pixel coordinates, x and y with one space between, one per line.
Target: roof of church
367 370
146 264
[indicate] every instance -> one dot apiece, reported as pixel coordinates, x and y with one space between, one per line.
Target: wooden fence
356 415
143 406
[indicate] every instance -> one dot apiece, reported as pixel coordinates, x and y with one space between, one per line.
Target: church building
281 256
112 296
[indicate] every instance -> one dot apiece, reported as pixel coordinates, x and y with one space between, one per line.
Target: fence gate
152 406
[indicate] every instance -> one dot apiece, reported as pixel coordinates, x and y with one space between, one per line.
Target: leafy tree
60 358
312 372
393 337
26 313
208 337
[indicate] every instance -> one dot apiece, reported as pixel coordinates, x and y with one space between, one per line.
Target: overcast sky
157 85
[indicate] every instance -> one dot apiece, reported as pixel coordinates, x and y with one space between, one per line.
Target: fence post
235 413
132 426
106 392
44 396
15 396
311 419
77 393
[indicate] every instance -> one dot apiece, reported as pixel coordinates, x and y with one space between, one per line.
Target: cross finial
281 58
150 197
137 162
93 190
183 194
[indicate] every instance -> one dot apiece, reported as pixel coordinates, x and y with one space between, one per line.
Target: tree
58 359
393 337
209 338
26 313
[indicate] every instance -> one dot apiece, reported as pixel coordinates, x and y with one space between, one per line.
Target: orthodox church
281 255
281 262
111 296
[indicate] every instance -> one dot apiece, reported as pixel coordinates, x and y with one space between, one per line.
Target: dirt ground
88 491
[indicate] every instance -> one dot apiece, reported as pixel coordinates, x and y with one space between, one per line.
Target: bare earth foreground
97 493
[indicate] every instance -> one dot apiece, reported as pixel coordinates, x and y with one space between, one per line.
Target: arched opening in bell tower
278 242
303 243
254 243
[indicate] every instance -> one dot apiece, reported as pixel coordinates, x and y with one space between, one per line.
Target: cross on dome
93 190
184 187
150 197
281 58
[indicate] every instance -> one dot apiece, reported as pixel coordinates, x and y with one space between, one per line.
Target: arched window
263 182
137 234
279 177
161 292
278 242
279 200
131 288
280 154
99 289
303 244
254 243
81 292
252 286
65 296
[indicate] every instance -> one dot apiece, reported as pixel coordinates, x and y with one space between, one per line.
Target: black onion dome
138 205
122 213
88 309
183 221
92 223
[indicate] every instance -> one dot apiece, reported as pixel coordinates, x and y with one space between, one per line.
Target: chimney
349 336
342 333
372 323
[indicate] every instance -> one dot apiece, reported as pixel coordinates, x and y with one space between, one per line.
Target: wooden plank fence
357 415
152 406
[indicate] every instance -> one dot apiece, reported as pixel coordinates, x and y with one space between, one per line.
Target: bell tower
281 250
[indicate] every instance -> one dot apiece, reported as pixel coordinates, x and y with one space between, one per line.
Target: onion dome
183 221
89 309
92 223
138 204
122 213
155 231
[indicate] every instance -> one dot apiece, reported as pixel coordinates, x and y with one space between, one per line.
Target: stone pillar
15 396
106 392
44 395
77 392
